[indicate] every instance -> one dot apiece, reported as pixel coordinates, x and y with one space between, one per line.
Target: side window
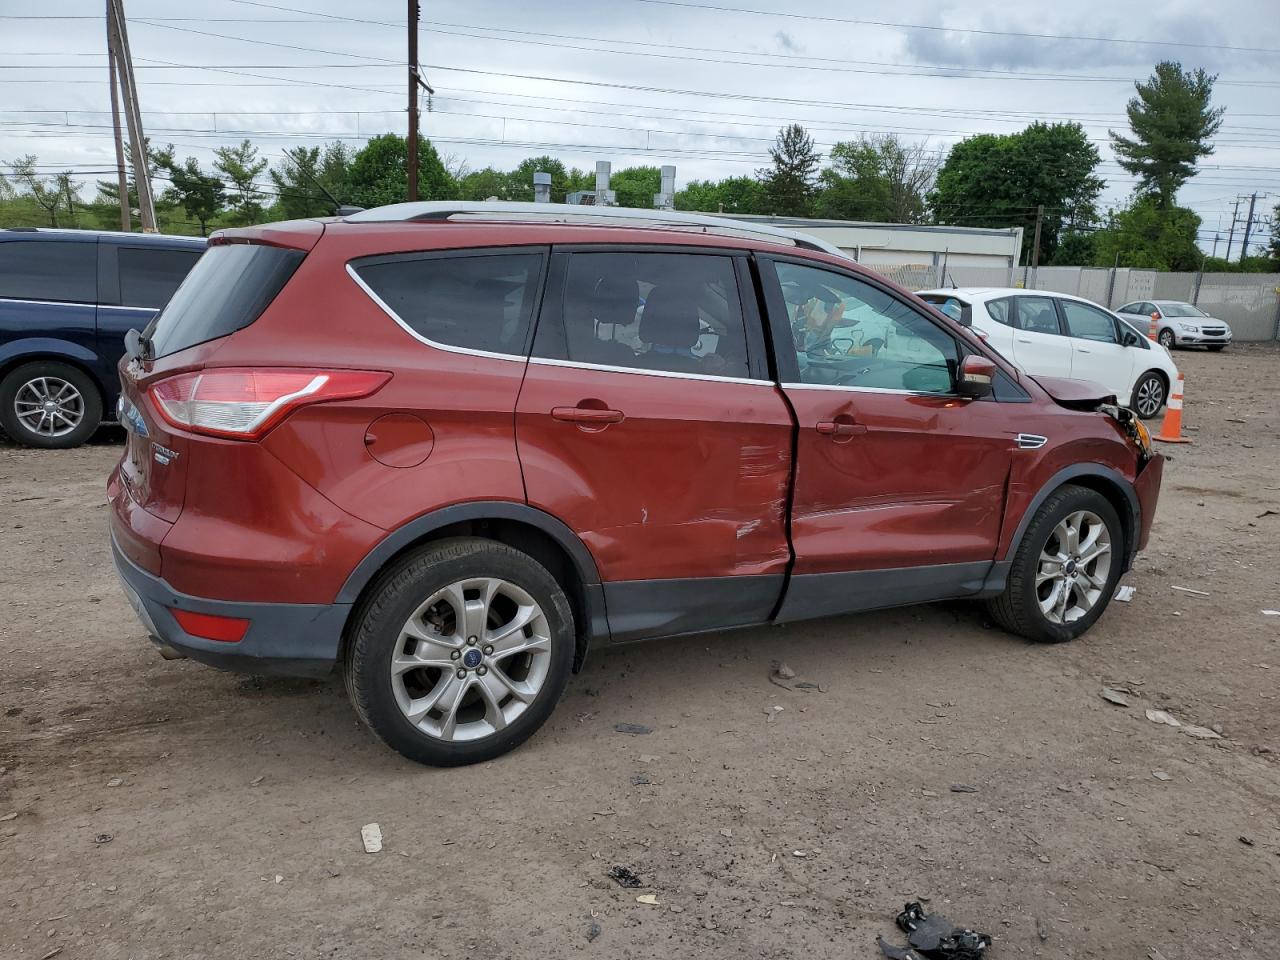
1037 315
1001 311
61 271
1149 309
1088 323
476 302
148 276
947 305
672 312
849 333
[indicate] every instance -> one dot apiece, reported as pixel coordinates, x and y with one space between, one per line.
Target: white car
1057 335
1178 324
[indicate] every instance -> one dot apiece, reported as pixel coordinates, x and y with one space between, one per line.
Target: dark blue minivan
67 298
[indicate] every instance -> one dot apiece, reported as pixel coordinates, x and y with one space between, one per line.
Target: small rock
963 788
927 793
371 837
593 931
103 838
635 729
640 780
1161 775
1042 858
726 832
114 782
646 758
676 909
9 816
1200 733
1161 716
255 781
799 854
1114 696
782 672
650 899
1247 841
1042 930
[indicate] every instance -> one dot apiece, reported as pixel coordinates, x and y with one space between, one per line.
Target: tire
480 727
1217 347
1149 395
1167 339
76 416
1019 609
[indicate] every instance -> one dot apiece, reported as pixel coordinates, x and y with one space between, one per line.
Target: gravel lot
234 804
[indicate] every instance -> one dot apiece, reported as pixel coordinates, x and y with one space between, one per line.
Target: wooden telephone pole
415 84
122 179
118 49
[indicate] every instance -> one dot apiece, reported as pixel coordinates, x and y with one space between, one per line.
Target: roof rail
587 215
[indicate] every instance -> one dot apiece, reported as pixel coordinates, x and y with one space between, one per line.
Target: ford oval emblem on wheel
471 659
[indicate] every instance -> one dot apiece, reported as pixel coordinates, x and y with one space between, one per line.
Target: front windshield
1181 310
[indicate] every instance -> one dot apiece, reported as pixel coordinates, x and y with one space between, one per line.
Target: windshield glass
1180 310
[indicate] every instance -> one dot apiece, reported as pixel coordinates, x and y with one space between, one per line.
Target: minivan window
227 290
476 301
670 312
64 271
150 275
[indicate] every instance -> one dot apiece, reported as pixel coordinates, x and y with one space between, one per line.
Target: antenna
339 208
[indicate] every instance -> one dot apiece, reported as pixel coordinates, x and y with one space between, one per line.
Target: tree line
1047 171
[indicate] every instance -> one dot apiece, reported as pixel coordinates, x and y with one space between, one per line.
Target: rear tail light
244 403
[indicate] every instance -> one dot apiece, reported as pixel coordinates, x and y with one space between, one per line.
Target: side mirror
1130 339
966 315
976 374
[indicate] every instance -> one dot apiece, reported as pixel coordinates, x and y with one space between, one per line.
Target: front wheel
49 404
1065 570
1148 395
461 652
1167 339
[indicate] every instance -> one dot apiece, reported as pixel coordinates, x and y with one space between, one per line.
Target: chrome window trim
63 303
465 351
606 368
125 306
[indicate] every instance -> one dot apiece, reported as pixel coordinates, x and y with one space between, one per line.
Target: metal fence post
1195 293
1111 288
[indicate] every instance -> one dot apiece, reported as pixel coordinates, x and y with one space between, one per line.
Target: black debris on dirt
963 788
593 930
934 937
625 876
640 780
635 729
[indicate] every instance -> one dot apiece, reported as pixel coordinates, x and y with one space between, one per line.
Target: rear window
64 271
475 301
226 291
148 277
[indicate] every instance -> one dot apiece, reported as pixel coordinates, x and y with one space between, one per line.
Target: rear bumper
1147 486
291 639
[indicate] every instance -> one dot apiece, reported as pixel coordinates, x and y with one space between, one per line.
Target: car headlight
1142 436
1189 328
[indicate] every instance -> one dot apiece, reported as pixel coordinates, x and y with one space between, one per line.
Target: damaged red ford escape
450 448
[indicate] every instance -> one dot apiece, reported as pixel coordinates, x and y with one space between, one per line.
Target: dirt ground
231 806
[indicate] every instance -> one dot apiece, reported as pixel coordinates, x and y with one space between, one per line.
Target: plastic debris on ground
1160 716
635 729
933 937
1112 695
1194 593
371 835
1125 594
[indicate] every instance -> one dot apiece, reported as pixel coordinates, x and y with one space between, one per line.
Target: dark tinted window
1037 315
478 302
65 271
1088 323
148 275
227 290
1001 311
673 312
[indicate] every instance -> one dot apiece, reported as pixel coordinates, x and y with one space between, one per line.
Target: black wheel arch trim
1132 518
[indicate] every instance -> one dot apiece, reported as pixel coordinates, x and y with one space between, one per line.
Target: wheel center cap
1071 568
472 658
50 406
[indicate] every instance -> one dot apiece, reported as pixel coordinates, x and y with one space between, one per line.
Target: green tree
1275 238
1147 235
301 175
1075 249
731 195
997 180
1172 123
635 186
379 173
50 194
242 167
854 187
200 194
789 185
486 183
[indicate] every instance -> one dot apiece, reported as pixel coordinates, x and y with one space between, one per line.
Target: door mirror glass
1131 339
976 374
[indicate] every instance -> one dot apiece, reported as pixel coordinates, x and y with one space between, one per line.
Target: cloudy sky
703 84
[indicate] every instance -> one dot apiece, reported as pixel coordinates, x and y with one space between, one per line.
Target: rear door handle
593 415
833 428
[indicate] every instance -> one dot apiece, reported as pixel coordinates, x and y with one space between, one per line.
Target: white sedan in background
1057 335
1178 324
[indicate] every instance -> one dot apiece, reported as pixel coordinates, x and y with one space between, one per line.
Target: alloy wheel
49 406
1166 339
1150 396
1074 567
471 659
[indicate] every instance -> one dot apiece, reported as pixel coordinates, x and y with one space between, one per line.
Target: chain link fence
1249 302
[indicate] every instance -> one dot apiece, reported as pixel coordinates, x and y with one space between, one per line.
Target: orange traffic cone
1171 426
1153 328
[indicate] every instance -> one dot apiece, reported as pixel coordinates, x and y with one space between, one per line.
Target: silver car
1178 324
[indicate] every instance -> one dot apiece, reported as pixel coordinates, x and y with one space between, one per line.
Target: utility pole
133 116
413 100
122 180
1235 215
1035 245
1248 228
1216 237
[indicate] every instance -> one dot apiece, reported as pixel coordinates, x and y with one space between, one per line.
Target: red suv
451 447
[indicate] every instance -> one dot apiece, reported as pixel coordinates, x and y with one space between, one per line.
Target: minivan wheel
1148 394
1065 570
49 404
460 652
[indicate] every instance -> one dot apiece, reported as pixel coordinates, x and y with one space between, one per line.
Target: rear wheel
1065 570
49 404
461 652
1149 394
1167 339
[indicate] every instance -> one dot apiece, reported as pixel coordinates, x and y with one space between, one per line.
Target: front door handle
840 428
597 416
